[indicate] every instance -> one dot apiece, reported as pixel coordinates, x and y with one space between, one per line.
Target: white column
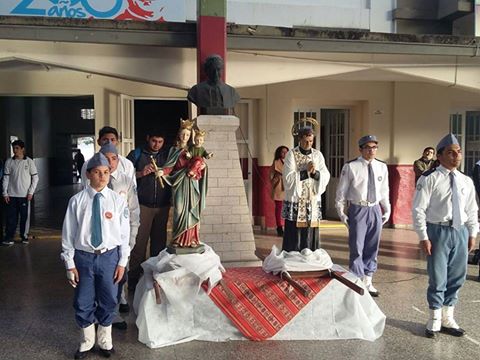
226 223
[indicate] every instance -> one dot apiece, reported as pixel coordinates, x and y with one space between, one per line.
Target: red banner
263 303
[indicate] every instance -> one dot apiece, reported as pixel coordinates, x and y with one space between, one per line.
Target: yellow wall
405 116
279 101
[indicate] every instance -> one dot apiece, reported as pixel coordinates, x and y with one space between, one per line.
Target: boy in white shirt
95 250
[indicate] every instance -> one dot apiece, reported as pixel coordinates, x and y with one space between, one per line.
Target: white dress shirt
20 177
124 166
123 185
433 201
353 185
77 225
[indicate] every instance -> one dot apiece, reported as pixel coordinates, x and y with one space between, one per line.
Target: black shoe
374 293
124 308
25 241
430 333
120 325
279 231
82 354
106 353
7 243
451 331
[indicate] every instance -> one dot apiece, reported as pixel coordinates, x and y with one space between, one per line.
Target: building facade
406 71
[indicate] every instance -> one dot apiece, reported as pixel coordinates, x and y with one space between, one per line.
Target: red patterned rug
263 302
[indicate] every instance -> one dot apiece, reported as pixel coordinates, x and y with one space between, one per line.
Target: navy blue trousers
96 293
18 206
365 227
447 266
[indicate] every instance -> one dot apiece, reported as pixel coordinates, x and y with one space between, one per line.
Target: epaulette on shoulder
429 172
380 160
349 161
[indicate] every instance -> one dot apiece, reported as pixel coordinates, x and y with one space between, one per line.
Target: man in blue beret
363 204
95 250
445 216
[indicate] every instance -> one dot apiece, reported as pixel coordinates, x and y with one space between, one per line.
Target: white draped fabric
187 314
306 260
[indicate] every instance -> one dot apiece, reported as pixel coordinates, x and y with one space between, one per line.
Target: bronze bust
213 96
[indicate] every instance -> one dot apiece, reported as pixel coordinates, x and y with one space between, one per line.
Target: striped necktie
96 222
456 217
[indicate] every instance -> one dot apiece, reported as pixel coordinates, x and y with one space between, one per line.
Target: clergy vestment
302 205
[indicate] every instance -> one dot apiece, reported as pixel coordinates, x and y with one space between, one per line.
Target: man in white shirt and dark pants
363 204
95 250
20 179
445 215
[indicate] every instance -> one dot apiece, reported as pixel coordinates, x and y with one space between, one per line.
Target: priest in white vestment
305 178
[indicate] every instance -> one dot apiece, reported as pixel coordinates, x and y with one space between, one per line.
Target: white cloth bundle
306 260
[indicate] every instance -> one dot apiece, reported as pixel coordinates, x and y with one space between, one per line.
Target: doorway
161 115
335 125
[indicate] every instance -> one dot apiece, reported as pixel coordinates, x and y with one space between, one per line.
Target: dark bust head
213 68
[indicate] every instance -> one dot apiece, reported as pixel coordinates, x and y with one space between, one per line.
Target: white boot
367 281
87 340
449 325
434 323
104 337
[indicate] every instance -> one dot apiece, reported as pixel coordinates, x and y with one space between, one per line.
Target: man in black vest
154 202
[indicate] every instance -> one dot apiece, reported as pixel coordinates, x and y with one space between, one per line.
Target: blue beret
448 139
109 148
97 160
366 139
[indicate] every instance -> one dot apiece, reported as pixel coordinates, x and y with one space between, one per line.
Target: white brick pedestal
226 222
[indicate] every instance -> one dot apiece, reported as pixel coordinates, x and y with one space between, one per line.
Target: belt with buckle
364 203
100 251
443 223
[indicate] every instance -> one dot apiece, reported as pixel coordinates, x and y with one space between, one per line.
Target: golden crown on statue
186 124
200 132
303 124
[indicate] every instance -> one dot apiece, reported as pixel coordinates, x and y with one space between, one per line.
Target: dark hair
156 133
440 151
305 132
429 148
278 152
107 130
18 143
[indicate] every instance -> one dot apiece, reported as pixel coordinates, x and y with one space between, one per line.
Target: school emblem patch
108 215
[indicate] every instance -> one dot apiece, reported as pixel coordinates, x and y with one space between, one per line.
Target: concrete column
226 223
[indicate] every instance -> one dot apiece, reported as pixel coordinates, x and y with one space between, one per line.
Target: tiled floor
36 316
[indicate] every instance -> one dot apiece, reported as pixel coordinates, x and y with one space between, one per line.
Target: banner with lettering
143 10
